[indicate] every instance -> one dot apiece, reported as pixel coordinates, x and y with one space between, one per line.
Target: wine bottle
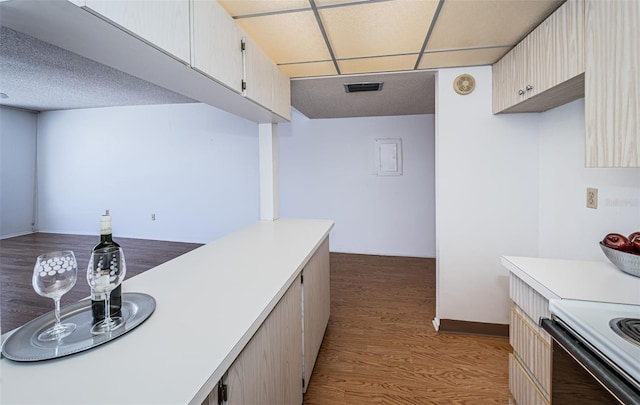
97 298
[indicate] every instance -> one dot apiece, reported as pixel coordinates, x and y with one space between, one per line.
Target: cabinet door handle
520 92
529 87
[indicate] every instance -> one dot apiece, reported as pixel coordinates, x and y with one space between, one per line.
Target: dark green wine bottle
97 299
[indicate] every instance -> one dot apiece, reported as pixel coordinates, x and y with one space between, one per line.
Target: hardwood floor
380 346
19 303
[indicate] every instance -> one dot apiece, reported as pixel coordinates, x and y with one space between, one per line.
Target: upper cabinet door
216 44
504 78
163 23
562 45
281 94
547 64
259 78
612 98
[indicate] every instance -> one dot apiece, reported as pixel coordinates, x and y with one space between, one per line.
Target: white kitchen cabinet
163 23
281 93
259 74
504 82
612 98
545 69
279 359
316 306
268 370
216 44
560 44
530 363
523 389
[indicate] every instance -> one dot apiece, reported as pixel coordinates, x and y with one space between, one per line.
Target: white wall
17 171
193 166
486 198
568 229
327 171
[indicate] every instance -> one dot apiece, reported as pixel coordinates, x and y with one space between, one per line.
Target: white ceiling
403 93
39 76
320 44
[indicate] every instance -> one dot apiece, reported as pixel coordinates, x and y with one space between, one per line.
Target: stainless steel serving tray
23 344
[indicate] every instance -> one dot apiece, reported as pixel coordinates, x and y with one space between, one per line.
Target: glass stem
107 309
57 312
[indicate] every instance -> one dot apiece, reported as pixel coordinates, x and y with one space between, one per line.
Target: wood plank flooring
19 303
380 346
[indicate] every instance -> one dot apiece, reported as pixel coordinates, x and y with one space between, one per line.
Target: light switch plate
592 198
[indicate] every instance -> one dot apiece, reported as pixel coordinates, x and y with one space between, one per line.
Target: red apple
634 239
617 241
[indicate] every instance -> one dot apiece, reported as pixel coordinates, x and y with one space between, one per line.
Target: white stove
591 321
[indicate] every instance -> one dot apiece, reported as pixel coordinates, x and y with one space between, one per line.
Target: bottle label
98 296
105 225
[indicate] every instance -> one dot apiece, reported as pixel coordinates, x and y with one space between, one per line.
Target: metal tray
23 344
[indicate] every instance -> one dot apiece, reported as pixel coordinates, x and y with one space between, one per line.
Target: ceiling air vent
366 86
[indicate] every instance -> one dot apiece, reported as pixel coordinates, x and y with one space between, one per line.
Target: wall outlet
153 217
592 198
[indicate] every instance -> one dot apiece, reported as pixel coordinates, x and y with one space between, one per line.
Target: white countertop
210 302
575 279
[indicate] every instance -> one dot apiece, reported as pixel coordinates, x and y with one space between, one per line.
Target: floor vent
358 87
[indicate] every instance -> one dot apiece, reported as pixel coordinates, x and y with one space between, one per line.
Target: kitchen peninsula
213 303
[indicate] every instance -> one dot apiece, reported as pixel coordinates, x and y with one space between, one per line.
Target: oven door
580 375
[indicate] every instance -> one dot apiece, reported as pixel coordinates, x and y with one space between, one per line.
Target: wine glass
54 274
105 272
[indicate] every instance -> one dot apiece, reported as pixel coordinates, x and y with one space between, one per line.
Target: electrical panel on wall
388 157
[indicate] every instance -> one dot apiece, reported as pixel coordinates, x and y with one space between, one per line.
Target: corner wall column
269 190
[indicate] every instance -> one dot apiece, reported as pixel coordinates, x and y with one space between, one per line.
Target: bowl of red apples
623 251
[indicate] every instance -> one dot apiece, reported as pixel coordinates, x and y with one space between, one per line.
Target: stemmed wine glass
54 274
105 272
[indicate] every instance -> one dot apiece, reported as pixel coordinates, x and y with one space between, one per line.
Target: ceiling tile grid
322 44
368 36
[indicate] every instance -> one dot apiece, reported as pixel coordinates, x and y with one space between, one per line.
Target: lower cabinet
275 366
530 363
316 305
268 370
523 388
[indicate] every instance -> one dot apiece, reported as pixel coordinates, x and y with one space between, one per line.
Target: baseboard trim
473 328
15 235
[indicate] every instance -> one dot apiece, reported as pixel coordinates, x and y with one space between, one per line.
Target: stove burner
628 328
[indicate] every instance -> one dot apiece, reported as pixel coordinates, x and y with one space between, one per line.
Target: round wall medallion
464 84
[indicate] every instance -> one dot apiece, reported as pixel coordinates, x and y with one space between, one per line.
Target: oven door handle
594 365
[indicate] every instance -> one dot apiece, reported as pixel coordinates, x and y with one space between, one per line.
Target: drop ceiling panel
251 7
309 69
472 57
472 23
381 28
286 38
382 64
